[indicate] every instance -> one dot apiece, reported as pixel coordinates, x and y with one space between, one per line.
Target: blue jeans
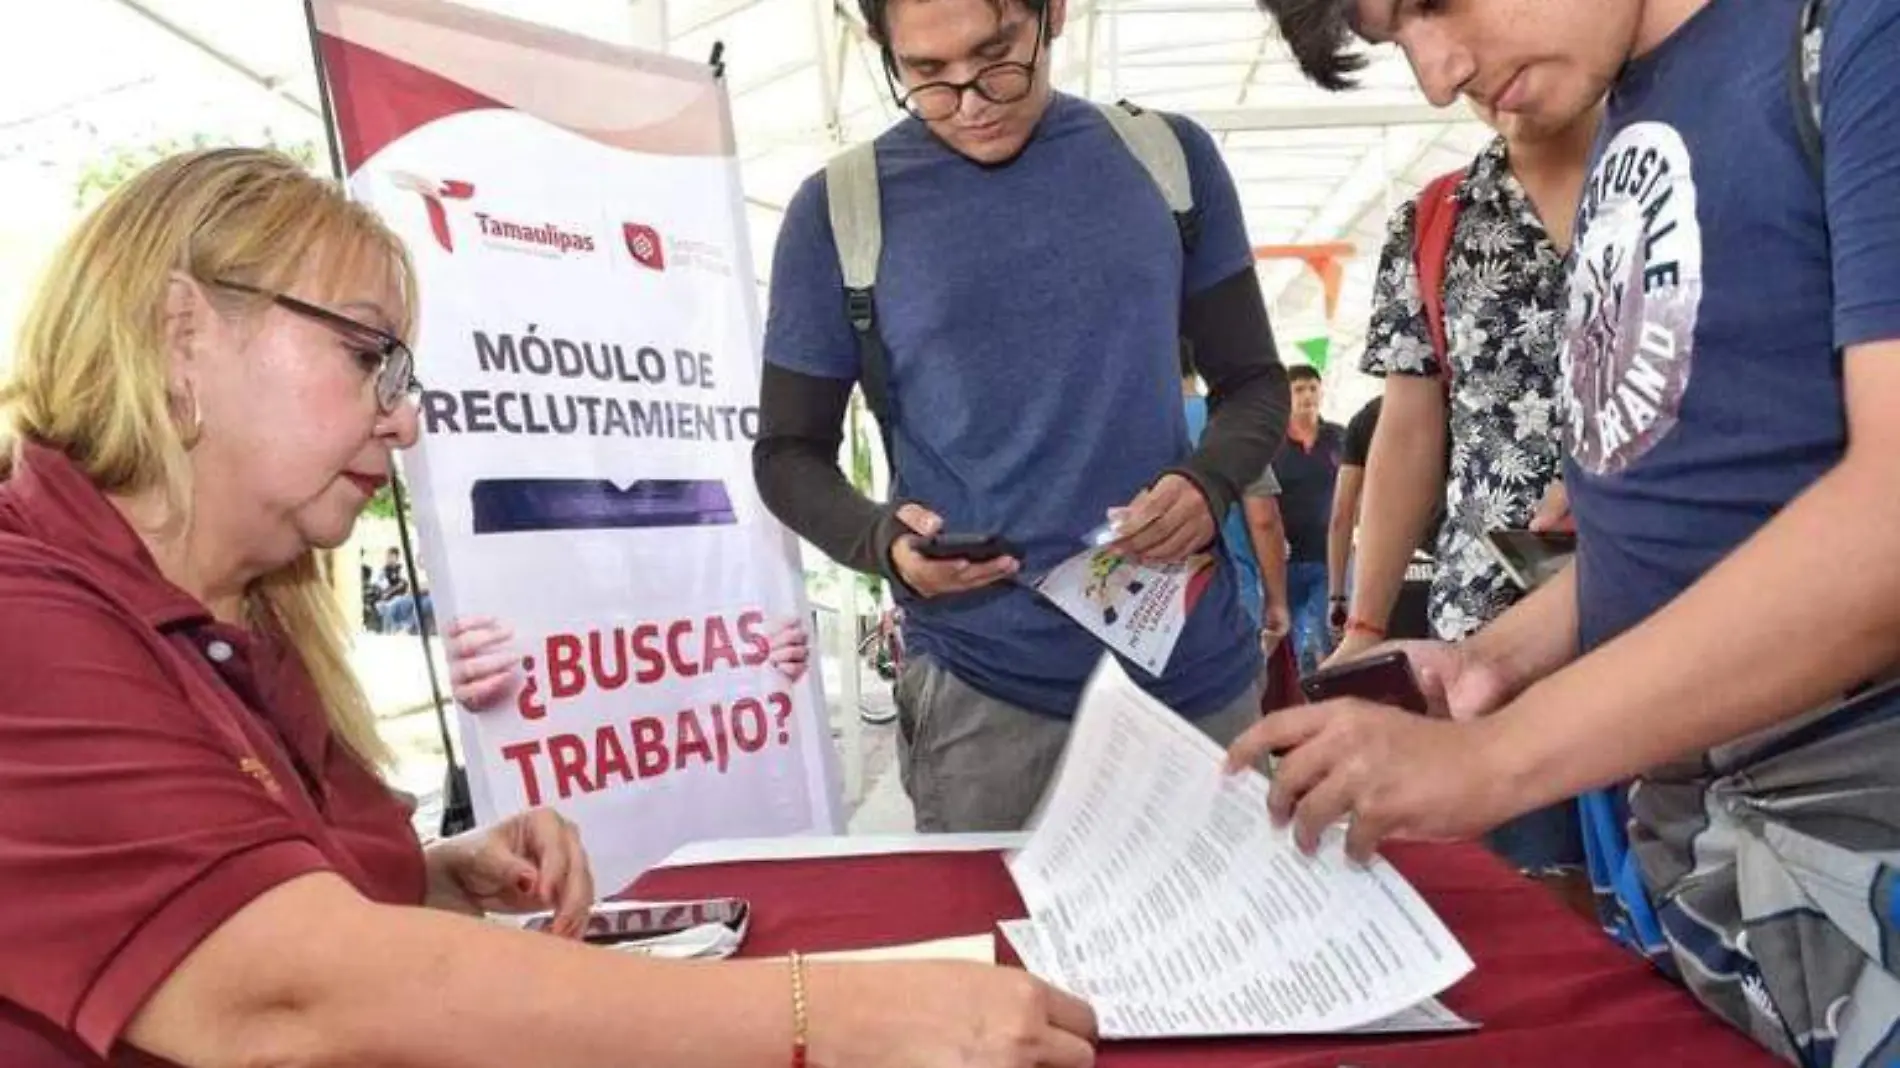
1306 603
405 614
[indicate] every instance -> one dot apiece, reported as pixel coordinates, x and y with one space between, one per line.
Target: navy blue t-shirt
1307 477
1032 312
1707 302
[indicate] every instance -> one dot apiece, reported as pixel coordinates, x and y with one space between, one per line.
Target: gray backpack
1805 74
857 228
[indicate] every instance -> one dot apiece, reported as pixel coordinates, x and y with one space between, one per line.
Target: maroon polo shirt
158 771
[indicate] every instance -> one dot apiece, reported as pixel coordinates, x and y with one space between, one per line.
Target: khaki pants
973 763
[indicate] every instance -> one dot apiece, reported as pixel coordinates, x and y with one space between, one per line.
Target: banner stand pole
458 809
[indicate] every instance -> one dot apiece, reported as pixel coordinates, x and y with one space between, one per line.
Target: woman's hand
944 1015
526 863
484 669
791 649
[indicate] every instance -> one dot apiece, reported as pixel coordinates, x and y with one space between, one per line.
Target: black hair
877 18
1187 359
1319 33
1302 372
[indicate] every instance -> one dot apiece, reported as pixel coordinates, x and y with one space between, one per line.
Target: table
1551 990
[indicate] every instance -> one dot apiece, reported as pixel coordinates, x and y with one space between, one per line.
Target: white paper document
978 949
1429 1015
1159 891
1138 610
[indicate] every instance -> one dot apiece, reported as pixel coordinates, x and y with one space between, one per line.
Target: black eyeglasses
396 366
998 83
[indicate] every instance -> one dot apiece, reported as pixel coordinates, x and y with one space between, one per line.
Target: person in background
1259 561
1495 402
1307 467
1492 395
1729 634
395 603
1033 294
395 580
202 863
1345 521
1266 533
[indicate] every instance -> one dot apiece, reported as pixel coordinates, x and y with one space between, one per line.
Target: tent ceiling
80 77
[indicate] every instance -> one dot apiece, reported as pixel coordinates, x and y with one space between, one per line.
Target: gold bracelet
801 1021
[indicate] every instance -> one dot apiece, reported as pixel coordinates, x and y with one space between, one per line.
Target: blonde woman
199 860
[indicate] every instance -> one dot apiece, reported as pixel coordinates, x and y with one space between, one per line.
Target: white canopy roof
83 79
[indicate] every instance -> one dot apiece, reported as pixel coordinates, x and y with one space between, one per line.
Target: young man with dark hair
1031 295
1729 635
1307 468
1409 612
1347 493
1470 433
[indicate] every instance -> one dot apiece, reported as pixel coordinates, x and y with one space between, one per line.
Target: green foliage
102 176
383 505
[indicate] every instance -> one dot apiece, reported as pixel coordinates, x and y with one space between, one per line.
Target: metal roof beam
1320 116
268 83
715 14
1364 191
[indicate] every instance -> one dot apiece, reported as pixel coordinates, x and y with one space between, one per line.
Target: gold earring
194 429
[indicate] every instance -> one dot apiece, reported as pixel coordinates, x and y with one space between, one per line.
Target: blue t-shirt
1707 303
1235 539
1032 313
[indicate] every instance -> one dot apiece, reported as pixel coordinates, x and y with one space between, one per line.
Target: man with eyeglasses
1033 292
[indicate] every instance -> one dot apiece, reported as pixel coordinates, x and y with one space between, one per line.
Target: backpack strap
1804 80
1154 145
857 229
1431 251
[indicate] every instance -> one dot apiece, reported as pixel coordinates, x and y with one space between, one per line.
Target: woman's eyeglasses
396 370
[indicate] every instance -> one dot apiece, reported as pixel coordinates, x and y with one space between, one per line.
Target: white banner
589 344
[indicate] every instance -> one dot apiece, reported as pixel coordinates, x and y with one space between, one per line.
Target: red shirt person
201 864
204 743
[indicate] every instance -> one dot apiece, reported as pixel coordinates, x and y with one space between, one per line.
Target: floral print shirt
1504 315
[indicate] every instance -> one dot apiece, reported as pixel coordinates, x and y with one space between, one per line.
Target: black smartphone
976 548
1386 678
1530 558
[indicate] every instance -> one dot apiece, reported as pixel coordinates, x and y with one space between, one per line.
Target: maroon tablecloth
1550 989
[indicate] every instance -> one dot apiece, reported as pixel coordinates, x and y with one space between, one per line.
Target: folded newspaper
1160 892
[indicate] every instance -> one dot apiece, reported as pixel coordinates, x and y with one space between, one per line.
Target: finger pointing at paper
1390 773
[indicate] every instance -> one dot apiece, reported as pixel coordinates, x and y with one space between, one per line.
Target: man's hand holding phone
1384 678
1357 757
935 565
1448 680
